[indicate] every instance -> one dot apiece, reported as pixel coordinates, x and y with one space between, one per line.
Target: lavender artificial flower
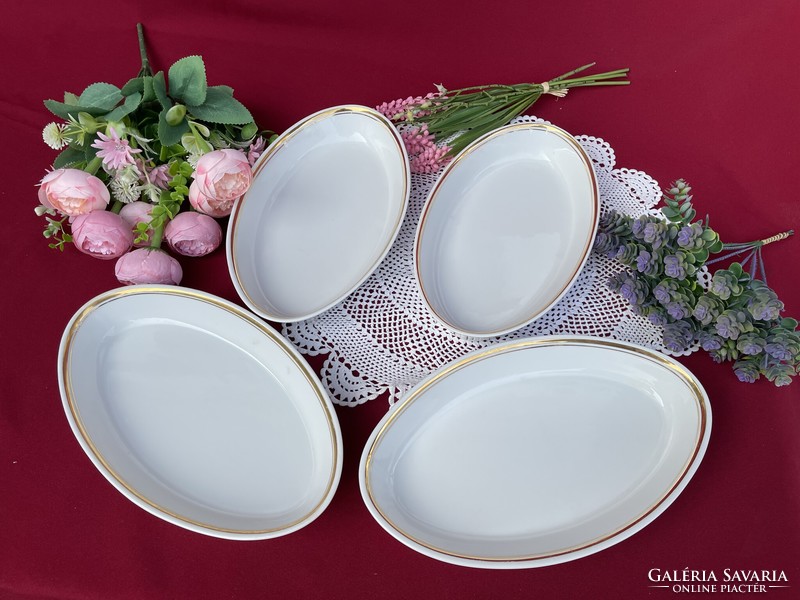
706 310
657 318
674 267
779 351
678 309
731 324
648 263
689 236
627 253
783 345
746 372
637 227
764 305
606 243
750 344
678 336
664 291
724 284
655 233
632 291
710 341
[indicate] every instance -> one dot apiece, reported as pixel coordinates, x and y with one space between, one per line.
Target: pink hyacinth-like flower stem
405 110
423 154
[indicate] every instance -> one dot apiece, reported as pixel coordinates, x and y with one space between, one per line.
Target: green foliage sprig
170 113
737 319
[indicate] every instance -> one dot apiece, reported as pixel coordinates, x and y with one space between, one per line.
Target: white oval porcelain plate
199 412
506 229
535 452
327 201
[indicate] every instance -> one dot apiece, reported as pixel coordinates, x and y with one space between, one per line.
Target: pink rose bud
148 265
101 234
193 234
73 192
135 213
220 178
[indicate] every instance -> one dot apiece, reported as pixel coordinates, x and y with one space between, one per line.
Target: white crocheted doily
382 338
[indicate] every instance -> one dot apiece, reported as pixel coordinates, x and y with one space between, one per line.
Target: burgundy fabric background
714 99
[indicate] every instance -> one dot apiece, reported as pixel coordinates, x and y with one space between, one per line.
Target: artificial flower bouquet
129 158
437 126
736 318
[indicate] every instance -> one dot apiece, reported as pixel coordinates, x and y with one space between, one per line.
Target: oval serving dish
506 229
326 203
199 413
535 452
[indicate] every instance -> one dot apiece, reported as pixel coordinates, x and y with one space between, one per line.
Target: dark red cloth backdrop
714 99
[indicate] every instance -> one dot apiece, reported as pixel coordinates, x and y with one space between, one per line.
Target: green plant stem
557 83
116 207
157 236
145 70
94 165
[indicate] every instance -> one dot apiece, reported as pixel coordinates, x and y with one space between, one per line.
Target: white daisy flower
125 185
53 136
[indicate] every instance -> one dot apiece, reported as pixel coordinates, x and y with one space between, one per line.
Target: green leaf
220 107
669 212
736 270
101 95
701 255
149 93
789 323
68 156
160 90
70 98
715 247
66 110
131 103
187 80
170 135
89 152
708 235
134 85
222 88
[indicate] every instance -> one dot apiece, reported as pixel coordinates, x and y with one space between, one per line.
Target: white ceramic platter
506 229
535 452
199 413
327 201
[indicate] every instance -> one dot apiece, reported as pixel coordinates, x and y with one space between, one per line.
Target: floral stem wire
754 261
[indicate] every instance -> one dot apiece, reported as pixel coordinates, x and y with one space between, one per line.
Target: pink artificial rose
193 234
148 265
101 234
73 192
208 206
135 213
220 178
